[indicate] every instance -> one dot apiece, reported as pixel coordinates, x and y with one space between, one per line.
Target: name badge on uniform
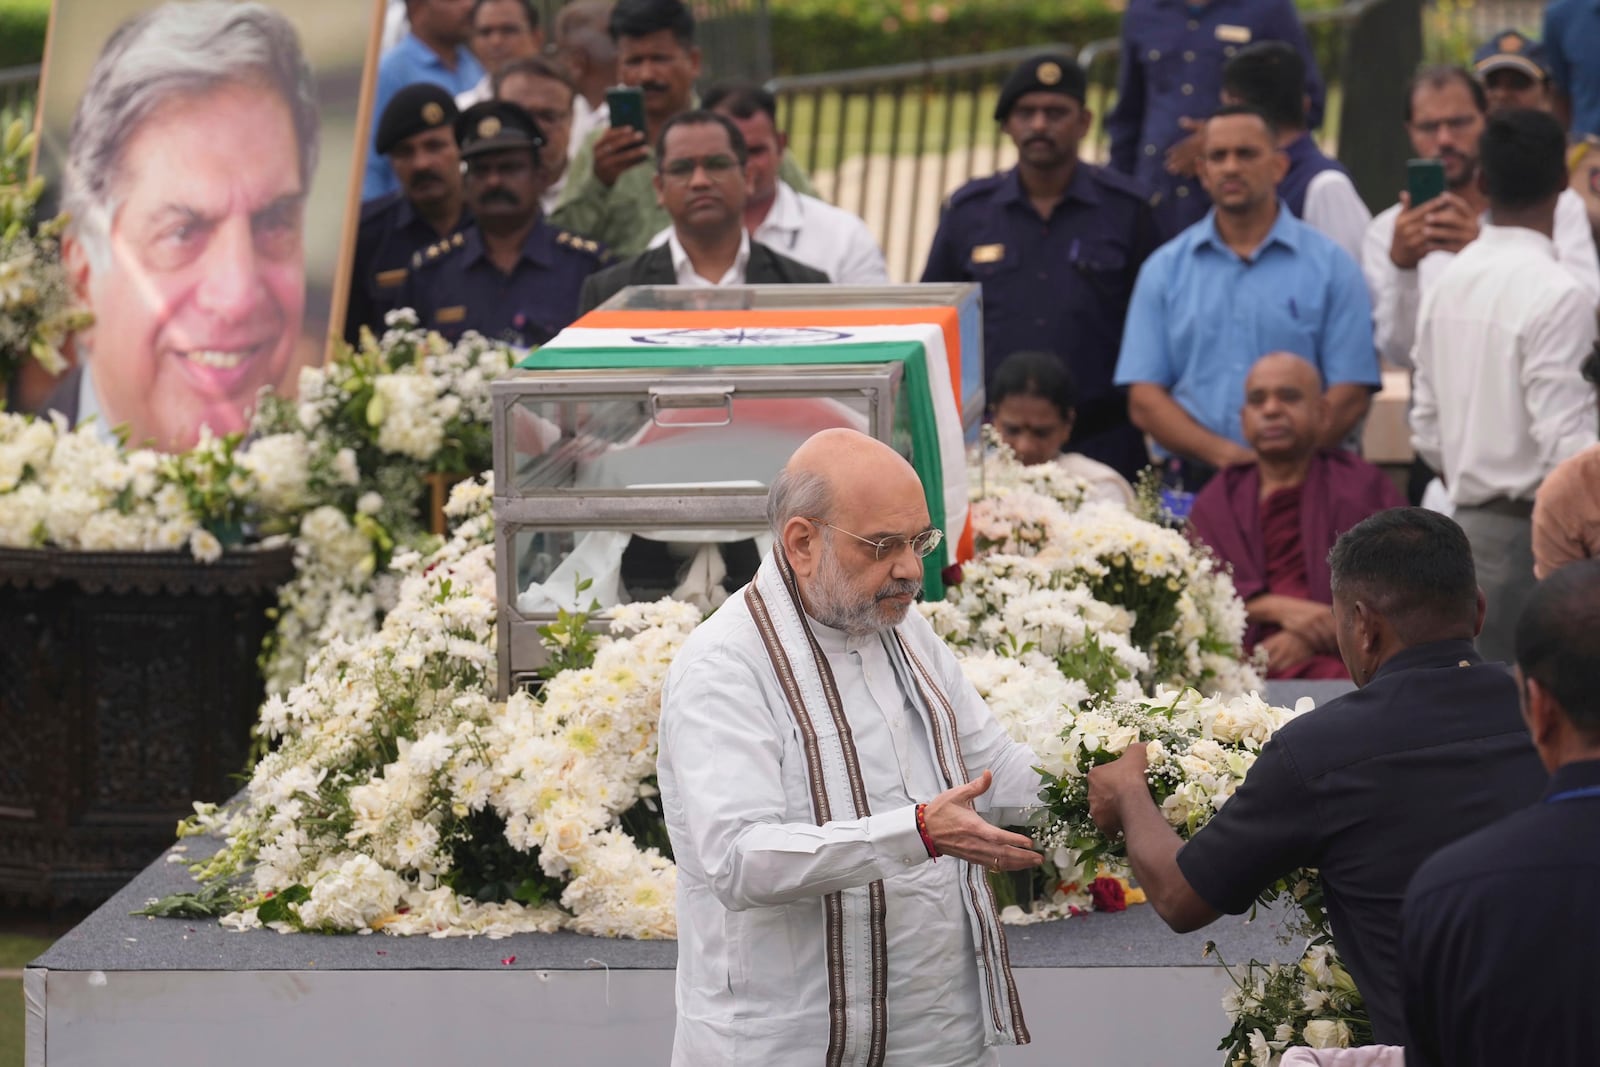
1234 34
451 314
388 279
988 253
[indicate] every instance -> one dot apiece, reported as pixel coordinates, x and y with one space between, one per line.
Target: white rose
1327 1033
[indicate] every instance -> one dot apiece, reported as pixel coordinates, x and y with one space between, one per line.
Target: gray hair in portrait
176 50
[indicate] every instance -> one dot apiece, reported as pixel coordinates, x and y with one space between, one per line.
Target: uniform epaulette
438 249
580 244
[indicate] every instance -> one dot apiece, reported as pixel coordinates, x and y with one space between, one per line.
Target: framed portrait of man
208 154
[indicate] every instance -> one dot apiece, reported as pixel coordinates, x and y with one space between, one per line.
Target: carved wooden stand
128 685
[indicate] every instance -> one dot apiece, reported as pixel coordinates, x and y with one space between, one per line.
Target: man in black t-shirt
1429 749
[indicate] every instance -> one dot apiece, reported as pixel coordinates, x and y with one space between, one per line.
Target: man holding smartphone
1409 245
611 198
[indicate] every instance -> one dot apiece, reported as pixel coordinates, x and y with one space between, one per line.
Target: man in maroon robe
1275 519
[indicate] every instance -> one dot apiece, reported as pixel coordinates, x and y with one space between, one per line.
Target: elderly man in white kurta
821 760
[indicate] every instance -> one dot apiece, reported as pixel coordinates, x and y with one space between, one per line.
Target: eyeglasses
1456 124
922 544
681 170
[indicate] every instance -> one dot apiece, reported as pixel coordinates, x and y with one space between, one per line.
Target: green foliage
569 641
277 907
1448 35
816 35
209 902
22 30
485 867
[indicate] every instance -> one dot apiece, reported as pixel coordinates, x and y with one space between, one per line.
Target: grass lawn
15 952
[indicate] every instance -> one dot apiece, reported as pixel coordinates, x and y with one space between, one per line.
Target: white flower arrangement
70 489
349 456
1111 596
401 798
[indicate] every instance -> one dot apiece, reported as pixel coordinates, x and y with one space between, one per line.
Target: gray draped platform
1101 989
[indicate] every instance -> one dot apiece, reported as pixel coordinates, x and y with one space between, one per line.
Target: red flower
1108 895
952 575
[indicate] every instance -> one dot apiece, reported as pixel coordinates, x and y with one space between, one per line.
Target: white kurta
753 865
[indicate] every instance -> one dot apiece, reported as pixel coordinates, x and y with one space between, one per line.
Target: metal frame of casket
576 495
606 453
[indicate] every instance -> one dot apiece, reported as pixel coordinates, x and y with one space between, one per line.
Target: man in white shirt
503 31
1498 395
1407 247
802 227
1271 75
700 182
821 757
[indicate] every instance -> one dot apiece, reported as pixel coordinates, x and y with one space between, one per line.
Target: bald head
1285 367
1284 412
860 471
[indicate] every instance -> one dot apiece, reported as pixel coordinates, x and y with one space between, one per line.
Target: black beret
419 106
492 125
1042 74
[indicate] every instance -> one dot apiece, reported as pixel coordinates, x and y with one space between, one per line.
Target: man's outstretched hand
1110 782
959 831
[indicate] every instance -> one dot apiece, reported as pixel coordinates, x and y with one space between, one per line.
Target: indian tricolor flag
643 339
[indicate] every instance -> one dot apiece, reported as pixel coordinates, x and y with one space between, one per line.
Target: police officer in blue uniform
1170 81
1057 244
417 133
514 277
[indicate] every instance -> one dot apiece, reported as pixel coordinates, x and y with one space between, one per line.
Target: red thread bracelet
922 828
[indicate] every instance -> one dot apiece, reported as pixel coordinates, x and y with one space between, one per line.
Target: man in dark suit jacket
700 180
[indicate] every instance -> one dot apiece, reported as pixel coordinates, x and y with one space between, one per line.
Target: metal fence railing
890 143
19 86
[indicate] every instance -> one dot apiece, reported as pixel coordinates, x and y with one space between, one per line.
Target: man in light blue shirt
1246 280
433 50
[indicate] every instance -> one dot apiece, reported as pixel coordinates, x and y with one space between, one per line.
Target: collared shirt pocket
1290 322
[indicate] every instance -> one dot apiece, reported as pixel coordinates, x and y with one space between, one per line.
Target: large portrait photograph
207 156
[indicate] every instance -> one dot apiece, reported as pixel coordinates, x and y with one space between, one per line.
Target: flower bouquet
1199 749
37 306
1276 1006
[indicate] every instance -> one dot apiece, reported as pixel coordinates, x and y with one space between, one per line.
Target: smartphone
1424 180
627 106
